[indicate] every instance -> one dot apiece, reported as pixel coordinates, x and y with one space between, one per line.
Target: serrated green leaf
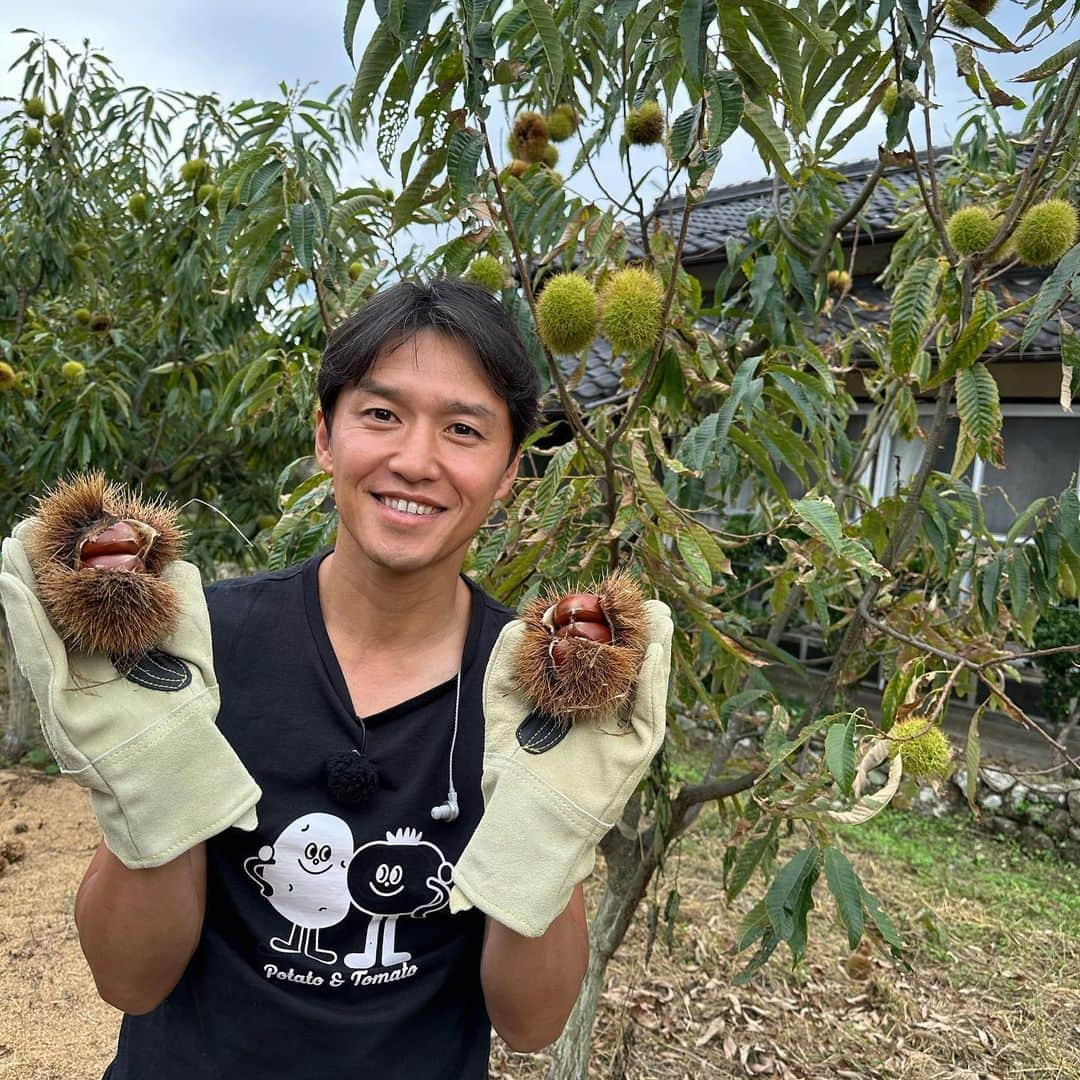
684 132
771 142
693 29
352 14
979 409
746 862
913 306
783 895
302 233
844 885
417 190
462 158
543 20
724 97
379 56
840 753
694 559
881 920
1050 292
973 340
1051 65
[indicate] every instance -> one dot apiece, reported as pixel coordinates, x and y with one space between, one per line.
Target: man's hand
161 776
548 801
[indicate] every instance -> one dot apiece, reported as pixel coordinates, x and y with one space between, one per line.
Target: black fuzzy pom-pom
351 778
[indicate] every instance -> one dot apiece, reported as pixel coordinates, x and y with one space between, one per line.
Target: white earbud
449 809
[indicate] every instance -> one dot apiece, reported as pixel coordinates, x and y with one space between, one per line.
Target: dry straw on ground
965 1013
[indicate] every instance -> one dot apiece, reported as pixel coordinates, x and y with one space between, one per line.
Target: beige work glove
545 812
161 776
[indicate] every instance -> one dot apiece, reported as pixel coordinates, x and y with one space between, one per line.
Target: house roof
726 212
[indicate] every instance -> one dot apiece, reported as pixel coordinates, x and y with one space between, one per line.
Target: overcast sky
244 48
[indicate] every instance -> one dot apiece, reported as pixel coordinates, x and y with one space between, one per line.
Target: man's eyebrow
466 408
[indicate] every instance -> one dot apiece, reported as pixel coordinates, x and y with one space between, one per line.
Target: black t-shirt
328 949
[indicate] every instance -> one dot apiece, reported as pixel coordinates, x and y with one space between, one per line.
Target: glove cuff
523 878
177 783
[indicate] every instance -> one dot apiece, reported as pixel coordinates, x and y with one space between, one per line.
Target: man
338 936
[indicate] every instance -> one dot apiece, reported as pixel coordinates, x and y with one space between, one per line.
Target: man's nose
416 451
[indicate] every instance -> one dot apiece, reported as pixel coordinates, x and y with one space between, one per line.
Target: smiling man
414 875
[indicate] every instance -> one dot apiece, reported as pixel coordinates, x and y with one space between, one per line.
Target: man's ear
508 477
323 453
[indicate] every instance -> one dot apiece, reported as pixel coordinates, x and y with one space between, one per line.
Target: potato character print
304 875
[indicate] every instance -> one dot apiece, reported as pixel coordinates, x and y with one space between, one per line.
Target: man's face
423 425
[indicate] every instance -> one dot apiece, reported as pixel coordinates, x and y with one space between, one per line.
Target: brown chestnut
116 539
591 631
578 607
114 561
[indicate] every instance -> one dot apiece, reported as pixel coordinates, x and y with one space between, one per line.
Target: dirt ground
984 1002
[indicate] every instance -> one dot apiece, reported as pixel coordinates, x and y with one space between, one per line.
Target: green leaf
462 158
352 14
1049 294
693 28
913 306
840 753
820 515
774 31
543 20
417 191
1051 65
302 233
770 141
724 97
746 862
881 920
383 49
973 340
694 558
844 885
684 132
782 898
979 409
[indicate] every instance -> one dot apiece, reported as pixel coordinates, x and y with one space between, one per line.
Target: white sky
244 48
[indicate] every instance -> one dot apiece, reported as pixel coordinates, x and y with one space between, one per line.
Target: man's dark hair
458 309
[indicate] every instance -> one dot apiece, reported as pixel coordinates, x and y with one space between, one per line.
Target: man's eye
386 411
468 430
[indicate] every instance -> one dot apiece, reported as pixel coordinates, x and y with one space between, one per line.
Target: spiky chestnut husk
957 16
566 314
56 121
82 316
561 124
193 170
31 137
100 323
137 205
645 126
889 99
73 371
121 613
550 156
7 375
487 272
971 229
1045 232
631 308
529 137
595 682
34 108
80 250
517 168
928 755
205 193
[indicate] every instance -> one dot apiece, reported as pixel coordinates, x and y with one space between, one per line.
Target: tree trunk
628 876
20 724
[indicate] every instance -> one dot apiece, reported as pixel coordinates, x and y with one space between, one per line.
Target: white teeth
408 507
